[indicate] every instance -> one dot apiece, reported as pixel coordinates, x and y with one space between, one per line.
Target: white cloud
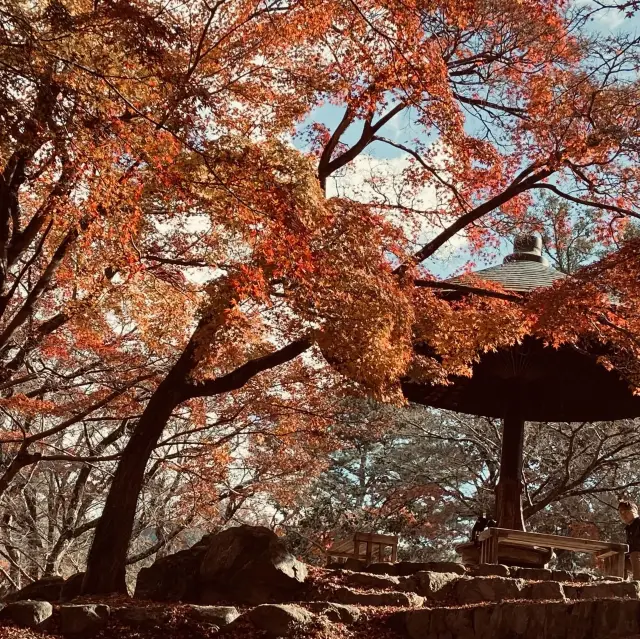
604 19
611 18
385 181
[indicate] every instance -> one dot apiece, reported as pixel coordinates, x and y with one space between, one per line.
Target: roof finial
527 247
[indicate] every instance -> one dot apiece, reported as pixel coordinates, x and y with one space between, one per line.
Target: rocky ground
134 619
243 585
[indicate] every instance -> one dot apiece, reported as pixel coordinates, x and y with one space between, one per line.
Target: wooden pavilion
528 381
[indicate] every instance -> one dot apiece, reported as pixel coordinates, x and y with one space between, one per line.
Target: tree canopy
170 244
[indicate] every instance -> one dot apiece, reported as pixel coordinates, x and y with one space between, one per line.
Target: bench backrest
390 540
577 544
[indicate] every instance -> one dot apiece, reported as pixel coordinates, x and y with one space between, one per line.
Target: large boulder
27 614
174 577
280 620
249 564
82 619
45 589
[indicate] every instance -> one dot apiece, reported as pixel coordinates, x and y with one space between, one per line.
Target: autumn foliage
168 256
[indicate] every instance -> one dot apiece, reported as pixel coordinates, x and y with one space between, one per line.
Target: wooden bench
374 547
612 554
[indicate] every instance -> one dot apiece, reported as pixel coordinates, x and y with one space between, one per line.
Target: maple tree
376 481
93 129
201 476
163 242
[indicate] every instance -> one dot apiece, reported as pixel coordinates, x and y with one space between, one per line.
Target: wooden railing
612 554
374 547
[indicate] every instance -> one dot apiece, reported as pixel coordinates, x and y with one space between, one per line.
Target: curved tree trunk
107 558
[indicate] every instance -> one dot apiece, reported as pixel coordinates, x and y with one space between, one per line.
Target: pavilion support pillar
509 488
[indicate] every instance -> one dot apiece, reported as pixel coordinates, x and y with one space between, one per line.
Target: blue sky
402 129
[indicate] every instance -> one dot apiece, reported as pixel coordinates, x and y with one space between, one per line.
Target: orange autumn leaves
173 158
364 319
596 307
599 304
458 332
302 265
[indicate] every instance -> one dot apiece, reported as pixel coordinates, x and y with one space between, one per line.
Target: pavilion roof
547 384
522 271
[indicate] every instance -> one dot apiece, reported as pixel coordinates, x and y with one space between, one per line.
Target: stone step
407 568
368 580
470 590
595 619
454 589
352 597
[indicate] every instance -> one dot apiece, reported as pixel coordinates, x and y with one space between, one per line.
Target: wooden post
509 488
491 547
619 559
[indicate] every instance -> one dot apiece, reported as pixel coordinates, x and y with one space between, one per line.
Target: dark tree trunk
107 558
509 488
